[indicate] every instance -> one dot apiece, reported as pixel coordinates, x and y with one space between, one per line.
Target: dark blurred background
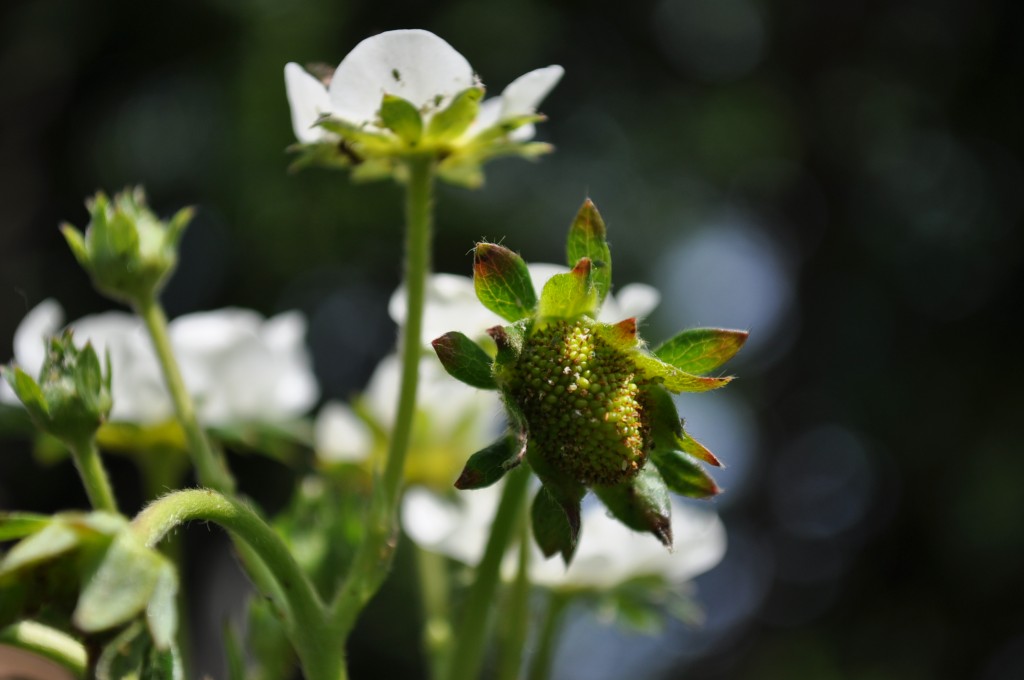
842 178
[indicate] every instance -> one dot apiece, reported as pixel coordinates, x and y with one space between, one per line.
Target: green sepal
76 241
502 282
505 126
700 350
555 529
14 525
374 170
682 475
587 238
666 426
674 379
641 503
336 155
28 392
468 175
488 465
89 381
402 118
363 141
465 360
621 335
556 512
177 224
569 295
451 122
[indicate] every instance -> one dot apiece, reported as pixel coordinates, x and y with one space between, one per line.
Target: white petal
525 93
633 299
413 64
308 99
29 346
340 435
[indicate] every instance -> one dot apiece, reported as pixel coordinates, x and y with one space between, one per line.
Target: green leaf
587 239
162 610
55 539
465 360
683 475
454 120
674 379
502 282
567 296
700 350
641 504
402 118
554 529
20 524
488 465
121 587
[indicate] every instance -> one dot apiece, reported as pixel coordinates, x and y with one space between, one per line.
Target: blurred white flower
242 367
415 65
340 436
237 366
452 304
608 553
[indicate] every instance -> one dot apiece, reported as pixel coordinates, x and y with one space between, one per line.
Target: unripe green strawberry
583 402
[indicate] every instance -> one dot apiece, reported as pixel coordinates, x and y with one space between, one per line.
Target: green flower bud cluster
127 250
582 401
71 398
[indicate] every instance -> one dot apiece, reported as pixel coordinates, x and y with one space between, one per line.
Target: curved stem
517 620
317 643
49 643
470 635
374 556
94 477
210 467
540 667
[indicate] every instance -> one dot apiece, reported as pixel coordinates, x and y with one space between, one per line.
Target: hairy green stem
49 643
375 554
467 657
319 647
517 619
94 477
540 667
435 595
210 467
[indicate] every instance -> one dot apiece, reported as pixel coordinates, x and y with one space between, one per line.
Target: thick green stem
210 467
94 477
471 633
319 647
375 554
540 667
517 619
47 642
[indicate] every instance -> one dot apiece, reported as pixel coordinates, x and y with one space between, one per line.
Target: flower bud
71 398
127 250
